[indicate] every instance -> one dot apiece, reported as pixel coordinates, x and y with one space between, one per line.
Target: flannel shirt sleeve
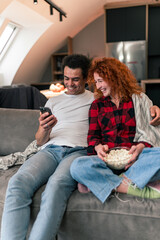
94 133
146 144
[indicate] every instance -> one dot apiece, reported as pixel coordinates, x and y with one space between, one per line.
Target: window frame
7 37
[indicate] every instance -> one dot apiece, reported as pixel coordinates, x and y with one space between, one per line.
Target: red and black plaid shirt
111 126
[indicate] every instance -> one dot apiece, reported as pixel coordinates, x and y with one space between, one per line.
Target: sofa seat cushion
4 178
122 217
5 175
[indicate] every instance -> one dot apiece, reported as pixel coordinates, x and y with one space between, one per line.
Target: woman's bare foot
82 188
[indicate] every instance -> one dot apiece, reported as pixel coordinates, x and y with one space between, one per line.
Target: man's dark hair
77 61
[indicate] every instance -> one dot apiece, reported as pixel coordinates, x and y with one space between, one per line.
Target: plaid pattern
111 126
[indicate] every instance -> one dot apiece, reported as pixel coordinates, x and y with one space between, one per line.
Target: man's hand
155 114
46 123
135 150
101 151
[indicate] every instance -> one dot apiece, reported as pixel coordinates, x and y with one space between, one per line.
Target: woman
118 117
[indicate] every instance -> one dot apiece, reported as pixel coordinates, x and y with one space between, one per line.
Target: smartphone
45 109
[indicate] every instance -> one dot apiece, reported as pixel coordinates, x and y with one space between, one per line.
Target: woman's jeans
101 180
52 166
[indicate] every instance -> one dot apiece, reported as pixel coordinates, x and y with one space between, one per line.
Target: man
63 137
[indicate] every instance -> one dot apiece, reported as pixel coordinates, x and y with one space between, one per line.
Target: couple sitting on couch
63 137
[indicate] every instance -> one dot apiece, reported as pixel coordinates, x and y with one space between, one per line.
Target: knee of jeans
76 166
18 183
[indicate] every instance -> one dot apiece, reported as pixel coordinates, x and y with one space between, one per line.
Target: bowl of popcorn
118 157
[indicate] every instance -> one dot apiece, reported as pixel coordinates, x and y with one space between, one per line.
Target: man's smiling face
74 81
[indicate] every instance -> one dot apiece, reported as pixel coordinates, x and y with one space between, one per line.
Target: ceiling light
54 6
51 10
35 1
60 17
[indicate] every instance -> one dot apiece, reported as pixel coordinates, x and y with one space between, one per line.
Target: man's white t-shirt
72 125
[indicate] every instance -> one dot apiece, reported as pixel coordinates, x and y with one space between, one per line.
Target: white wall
91 41
32 27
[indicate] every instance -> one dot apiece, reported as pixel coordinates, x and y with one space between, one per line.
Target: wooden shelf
152 88
149 81
56 61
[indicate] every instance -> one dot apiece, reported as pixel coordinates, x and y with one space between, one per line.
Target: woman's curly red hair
117 74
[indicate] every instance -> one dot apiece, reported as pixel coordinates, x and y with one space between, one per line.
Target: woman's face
102 85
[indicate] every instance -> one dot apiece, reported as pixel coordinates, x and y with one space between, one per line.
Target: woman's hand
135 150
101 151
155 114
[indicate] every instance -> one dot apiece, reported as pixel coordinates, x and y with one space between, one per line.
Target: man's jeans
100 179
52 166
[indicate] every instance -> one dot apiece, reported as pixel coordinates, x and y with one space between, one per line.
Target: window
1 21
7 37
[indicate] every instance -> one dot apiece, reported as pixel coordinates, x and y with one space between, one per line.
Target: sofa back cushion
17 129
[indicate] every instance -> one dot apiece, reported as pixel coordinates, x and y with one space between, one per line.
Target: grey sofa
86 218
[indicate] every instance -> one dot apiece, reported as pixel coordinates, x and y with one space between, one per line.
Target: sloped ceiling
79 14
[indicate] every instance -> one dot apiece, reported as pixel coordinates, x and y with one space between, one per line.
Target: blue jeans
101 180
52 166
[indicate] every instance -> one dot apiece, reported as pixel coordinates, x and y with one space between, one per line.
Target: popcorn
118 158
